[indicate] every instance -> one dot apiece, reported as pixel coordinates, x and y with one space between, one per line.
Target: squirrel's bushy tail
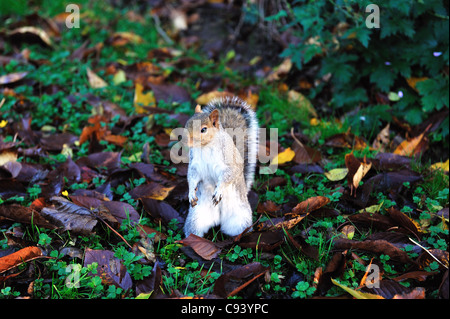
236 113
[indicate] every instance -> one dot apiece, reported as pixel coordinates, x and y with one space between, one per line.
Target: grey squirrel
223 141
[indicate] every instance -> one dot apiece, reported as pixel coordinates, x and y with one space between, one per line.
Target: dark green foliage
411 42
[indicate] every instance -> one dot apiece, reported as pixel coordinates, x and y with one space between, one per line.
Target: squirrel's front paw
217 197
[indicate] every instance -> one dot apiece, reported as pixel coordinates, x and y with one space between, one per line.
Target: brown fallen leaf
161 210
382 140
19 257
264 241
346 140
390 289
280 71
356 171
416 293
309 205
234 281
300 243
413 146
202 246
375 246
30 34
151 190
70 216
27 215
110 269
108 160
404 221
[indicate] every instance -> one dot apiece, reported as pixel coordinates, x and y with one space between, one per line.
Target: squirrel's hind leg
235 216
201 217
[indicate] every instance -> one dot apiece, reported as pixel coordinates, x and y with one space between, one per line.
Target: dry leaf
355 293
441 166
12 77
356 171
382 140
19 257
300 101
336 174
208 97
141 99
280 71
30 34
414 145
95 81
286 156
203 247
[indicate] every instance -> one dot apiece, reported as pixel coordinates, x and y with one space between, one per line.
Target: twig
446 267
161 32
296 139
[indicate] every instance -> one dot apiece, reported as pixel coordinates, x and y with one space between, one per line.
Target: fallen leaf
27 215
108 160
355 293
142 100
119 77
161 210
110 269
390 289
12 77
444 166
346 140
425 258
208 97
95 81
70 216
416 293
264 241
404 221
170 93
30 35
348 231
356 171
300 243
413 146
151 190
234 281
202 246
280 71
375 246
336 174
286 156
123 38
334 269
382 140
19 257
300 101
309 205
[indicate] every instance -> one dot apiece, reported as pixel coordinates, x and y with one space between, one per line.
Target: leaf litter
157 86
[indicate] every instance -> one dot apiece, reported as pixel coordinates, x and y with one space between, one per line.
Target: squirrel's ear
198 109
214 117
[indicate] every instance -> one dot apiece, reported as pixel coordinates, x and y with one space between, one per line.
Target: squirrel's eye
203 130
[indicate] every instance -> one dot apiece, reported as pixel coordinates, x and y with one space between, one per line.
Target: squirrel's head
202 127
